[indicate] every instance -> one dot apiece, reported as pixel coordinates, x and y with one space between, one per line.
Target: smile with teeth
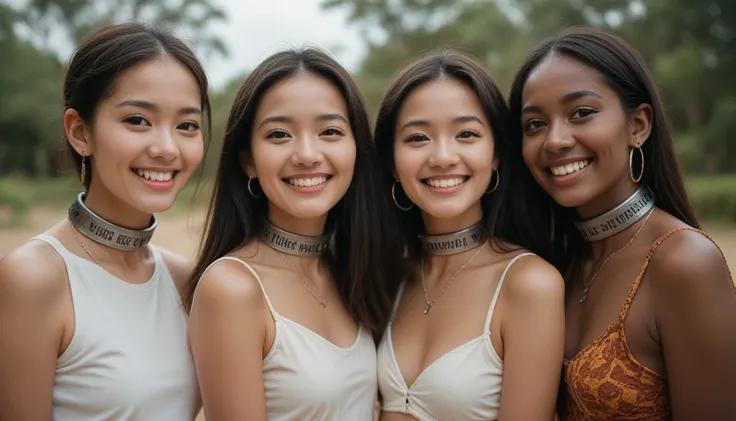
570 168
154 175
444 182
306 182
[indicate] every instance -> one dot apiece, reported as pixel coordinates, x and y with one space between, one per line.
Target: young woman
92 321
297 266
651 308
477 329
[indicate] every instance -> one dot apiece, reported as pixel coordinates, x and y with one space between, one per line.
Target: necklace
619 218
455 242
102 231
452 278
322 302
587 284
294 244
84 247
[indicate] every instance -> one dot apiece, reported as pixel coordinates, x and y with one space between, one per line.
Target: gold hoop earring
250 190
393 195
498 179
83 170
631 164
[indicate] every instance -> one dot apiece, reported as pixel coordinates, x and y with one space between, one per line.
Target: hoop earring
393 195
250 190
498 179
631 164
83 170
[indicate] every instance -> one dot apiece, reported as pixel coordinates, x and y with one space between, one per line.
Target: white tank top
128 359
463 384
307 377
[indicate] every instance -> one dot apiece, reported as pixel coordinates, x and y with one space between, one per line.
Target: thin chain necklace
322 302
84 247
430 304
587 284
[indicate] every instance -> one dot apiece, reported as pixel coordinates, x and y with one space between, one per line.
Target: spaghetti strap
398 298
489 316
253 272
650 254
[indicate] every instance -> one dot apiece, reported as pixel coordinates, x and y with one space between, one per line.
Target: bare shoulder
33 272
179 267
531 279
228 284
687 261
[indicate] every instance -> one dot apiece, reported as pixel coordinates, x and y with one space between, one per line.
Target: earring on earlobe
396 202
250 190
83 170
631 164
498 179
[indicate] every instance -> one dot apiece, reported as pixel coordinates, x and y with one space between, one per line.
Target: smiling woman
298 262
92 322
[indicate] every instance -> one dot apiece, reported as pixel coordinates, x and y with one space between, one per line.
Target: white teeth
445 182
154 176
569 168
306 182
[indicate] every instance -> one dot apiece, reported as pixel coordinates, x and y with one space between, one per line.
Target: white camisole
462 385
307 377
128 358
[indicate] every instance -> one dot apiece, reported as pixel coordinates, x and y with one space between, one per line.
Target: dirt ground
180 233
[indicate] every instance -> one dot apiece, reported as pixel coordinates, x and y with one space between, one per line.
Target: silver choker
455 242
618 219
294 244
105 232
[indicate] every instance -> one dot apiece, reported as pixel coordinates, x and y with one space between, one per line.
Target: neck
103 231
115 211
295 244
467 238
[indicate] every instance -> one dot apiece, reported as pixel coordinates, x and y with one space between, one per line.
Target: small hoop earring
631 164
250 190
396 202
498 179
83 170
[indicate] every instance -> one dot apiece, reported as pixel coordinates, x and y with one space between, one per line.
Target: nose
559 138
307 152
444 154
164 146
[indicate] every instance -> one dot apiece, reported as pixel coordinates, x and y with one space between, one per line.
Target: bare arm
533 331
32 288
695 307
227 334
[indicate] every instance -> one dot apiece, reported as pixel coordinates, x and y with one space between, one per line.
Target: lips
161 176
570 168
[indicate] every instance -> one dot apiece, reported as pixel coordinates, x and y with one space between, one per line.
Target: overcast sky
257 28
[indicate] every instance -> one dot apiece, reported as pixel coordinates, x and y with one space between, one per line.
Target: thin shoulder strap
252 271
398 298
53 242
645 265
489 316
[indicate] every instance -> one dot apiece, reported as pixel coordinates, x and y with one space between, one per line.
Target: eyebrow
153 107
285 119
572 96
459 119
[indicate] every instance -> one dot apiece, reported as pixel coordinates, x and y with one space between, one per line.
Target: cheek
529 151
345 155
407 163
192 151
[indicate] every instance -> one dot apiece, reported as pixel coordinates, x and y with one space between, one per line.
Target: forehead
302 94
558 75
441 99
162 81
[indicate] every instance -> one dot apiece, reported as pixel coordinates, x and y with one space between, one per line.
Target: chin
570 199
155 205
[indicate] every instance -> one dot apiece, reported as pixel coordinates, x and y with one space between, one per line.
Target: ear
77 133
640 125
246 163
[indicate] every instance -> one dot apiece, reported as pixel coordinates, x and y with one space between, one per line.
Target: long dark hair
365 261
98 61
626 73
509 211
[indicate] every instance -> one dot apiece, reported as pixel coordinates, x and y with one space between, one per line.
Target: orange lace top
604 381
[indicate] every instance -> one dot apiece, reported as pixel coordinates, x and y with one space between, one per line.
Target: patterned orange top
604 381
